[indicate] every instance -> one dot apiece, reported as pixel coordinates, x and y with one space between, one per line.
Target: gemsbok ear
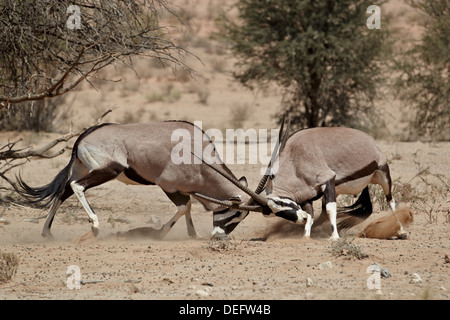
269 186
243 181
235 199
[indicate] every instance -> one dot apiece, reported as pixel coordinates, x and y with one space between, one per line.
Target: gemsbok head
143 154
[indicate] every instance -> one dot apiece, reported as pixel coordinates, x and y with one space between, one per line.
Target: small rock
4 222
325 265
415 278
208 284
123 220
309 282
383 271
202 293
168 281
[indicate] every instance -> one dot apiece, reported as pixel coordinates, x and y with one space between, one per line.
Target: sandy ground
284 266
246 267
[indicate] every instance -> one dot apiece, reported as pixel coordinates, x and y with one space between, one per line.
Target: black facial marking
225 224
290 215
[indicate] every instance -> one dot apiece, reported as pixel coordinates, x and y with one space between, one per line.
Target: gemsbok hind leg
78 170
383 177
94 178
51 214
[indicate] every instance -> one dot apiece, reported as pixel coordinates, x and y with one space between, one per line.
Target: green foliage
321 52
424 82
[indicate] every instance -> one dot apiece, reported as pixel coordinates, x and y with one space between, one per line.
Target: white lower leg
392 204
400 232
332 213
79 192
308 225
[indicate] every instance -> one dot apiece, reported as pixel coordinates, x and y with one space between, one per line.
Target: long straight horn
228 203
258 198
279 146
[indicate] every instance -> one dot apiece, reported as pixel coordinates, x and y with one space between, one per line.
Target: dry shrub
429 195
220 244
344 247
8 266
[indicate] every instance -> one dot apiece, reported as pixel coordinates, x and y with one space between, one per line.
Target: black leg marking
178 199
184 208
99 176
308 208
330 191
131 174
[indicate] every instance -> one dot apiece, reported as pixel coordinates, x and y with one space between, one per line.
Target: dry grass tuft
8 266
344 247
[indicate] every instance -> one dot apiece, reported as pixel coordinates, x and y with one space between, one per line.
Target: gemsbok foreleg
310 218
329 193
183 203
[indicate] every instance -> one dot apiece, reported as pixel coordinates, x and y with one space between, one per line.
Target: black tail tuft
362 208
45 196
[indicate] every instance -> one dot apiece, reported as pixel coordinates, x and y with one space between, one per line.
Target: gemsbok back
325 162
143 154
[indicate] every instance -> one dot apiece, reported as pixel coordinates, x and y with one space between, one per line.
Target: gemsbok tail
45 196
362 208
355 214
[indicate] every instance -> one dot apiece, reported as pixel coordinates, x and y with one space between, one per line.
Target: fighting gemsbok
324 162
142 154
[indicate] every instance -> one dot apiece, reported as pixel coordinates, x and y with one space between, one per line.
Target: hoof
402 236
220 236
95 231
334 237
195 236
47 235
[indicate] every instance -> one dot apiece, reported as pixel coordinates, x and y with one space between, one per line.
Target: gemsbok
322 162
142 154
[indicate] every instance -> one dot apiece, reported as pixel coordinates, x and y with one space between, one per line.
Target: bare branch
37 57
